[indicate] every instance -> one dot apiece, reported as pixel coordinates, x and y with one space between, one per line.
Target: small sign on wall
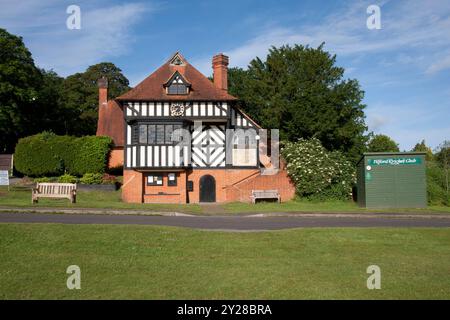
155 180
172 179
4 178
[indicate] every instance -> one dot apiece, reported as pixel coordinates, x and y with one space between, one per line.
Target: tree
422 147
19 82
443 158
300 91
80 93
382 143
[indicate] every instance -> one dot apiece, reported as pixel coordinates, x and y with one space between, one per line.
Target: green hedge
436 185
47 154
90 155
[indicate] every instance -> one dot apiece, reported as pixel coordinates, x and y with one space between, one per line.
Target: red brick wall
223 177
231 185
281 182
132 188
115 157
166 193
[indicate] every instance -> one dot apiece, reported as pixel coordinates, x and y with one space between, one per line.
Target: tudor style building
171 134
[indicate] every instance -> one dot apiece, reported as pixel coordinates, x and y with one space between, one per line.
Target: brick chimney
220 68
102 103
102 91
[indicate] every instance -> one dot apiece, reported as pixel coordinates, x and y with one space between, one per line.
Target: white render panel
156 149
128 158
170 156
177 156
166 109
158 109
128 134
185 156
142 156
203 109
163 156
149 156
189 110
195 109
210 109
225 105
134 157
144 109
217 111
137 109
151 109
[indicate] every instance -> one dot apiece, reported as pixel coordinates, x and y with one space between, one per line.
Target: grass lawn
146 262
88 199
315 206
112 200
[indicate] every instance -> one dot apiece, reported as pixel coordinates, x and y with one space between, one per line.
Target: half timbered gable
150 120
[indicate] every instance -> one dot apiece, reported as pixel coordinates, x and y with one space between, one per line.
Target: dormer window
177 88
177 85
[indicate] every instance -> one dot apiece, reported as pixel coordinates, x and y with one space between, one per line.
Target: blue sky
404 68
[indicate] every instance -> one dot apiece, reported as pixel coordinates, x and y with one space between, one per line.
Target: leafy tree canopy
443 154
422 147
19 82
80 93
32 100
301 91
382 143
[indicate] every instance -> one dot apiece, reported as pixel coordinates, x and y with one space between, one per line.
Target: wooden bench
54 190
265 194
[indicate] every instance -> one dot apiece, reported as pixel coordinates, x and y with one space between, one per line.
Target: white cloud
410 25
439 65
408 123
106 31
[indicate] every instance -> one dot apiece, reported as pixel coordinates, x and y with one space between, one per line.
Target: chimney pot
102 83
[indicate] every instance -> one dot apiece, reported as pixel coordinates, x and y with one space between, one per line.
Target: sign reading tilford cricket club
4 178
394 161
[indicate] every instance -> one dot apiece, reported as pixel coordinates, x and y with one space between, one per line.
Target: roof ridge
152 87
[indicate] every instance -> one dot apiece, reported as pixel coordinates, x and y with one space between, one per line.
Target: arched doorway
207 189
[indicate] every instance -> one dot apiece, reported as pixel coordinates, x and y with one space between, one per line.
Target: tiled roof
152 89
110 123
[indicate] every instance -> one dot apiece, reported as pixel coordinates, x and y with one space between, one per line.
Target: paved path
229 223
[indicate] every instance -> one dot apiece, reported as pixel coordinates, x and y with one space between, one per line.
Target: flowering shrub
317 172
67 178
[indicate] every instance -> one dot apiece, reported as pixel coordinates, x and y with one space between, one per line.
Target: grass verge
112 200
89 199
302 206
147 262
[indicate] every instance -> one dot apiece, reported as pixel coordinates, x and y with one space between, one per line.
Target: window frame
155 137
172 183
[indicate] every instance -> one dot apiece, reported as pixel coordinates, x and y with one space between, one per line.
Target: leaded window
152 134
